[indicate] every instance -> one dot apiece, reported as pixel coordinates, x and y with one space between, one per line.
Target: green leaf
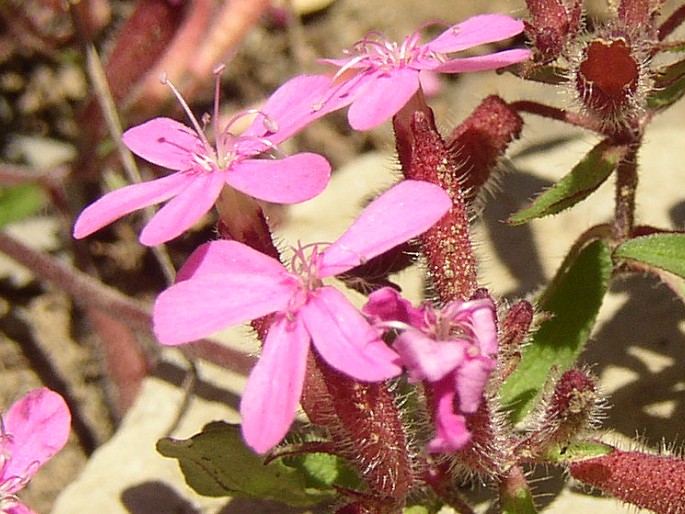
572 299
216 462
669 86
19 202
322 471
663 251
581 450
584 178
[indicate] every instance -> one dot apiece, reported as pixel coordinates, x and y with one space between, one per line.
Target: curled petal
484 326
293 179
401 213
181 213
197 308
345 340
484 62
451 433
164 142
386 304
121 202
39 426
471 378
475 31
224 257
426 358
273 390
386 94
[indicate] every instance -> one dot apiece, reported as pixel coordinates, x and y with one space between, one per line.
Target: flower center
228 148
376 51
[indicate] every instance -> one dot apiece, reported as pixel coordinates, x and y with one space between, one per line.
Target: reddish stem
554 113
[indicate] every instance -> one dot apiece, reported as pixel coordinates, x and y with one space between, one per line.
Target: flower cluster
31 431
227 282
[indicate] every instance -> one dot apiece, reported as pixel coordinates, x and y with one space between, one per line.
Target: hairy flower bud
611 76
569 410
654 482
553 24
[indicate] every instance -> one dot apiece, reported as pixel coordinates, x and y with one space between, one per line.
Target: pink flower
202 170
31 432
225 283
388 74
452 349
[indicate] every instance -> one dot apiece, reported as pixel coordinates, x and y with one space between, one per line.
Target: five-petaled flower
225 283
385 74
203 169
452 350
31 432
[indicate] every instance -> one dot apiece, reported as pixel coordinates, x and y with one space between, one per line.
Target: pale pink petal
164 142
471 378
428 359
484 325
197 308
344 338
386 304
484 62
19 508
293 106
121 202
475 31
181 213
430 83
387 93
404 211
39 426
273 390
451 433
224 257
293 179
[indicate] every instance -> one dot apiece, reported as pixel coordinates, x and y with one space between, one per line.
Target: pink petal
484 325
20 508
121 202
484 62
293 106
39 426
471 378
451 433
426 358
270 399
404 211
181 213
475 31
293 179
387 93
164 142
386 304
345 340
225 257
203 305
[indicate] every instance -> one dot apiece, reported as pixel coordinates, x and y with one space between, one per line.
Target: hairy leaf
216 462
584 178
663 251
572 300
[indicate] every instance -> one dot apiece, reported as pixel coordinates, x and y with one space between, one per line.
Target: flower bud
611 78
654 482
554 23
569 410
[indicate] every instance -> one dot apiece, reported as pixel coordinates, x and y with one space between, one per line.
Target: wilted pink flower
31 432
387 73
452 349
202 170
225 283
